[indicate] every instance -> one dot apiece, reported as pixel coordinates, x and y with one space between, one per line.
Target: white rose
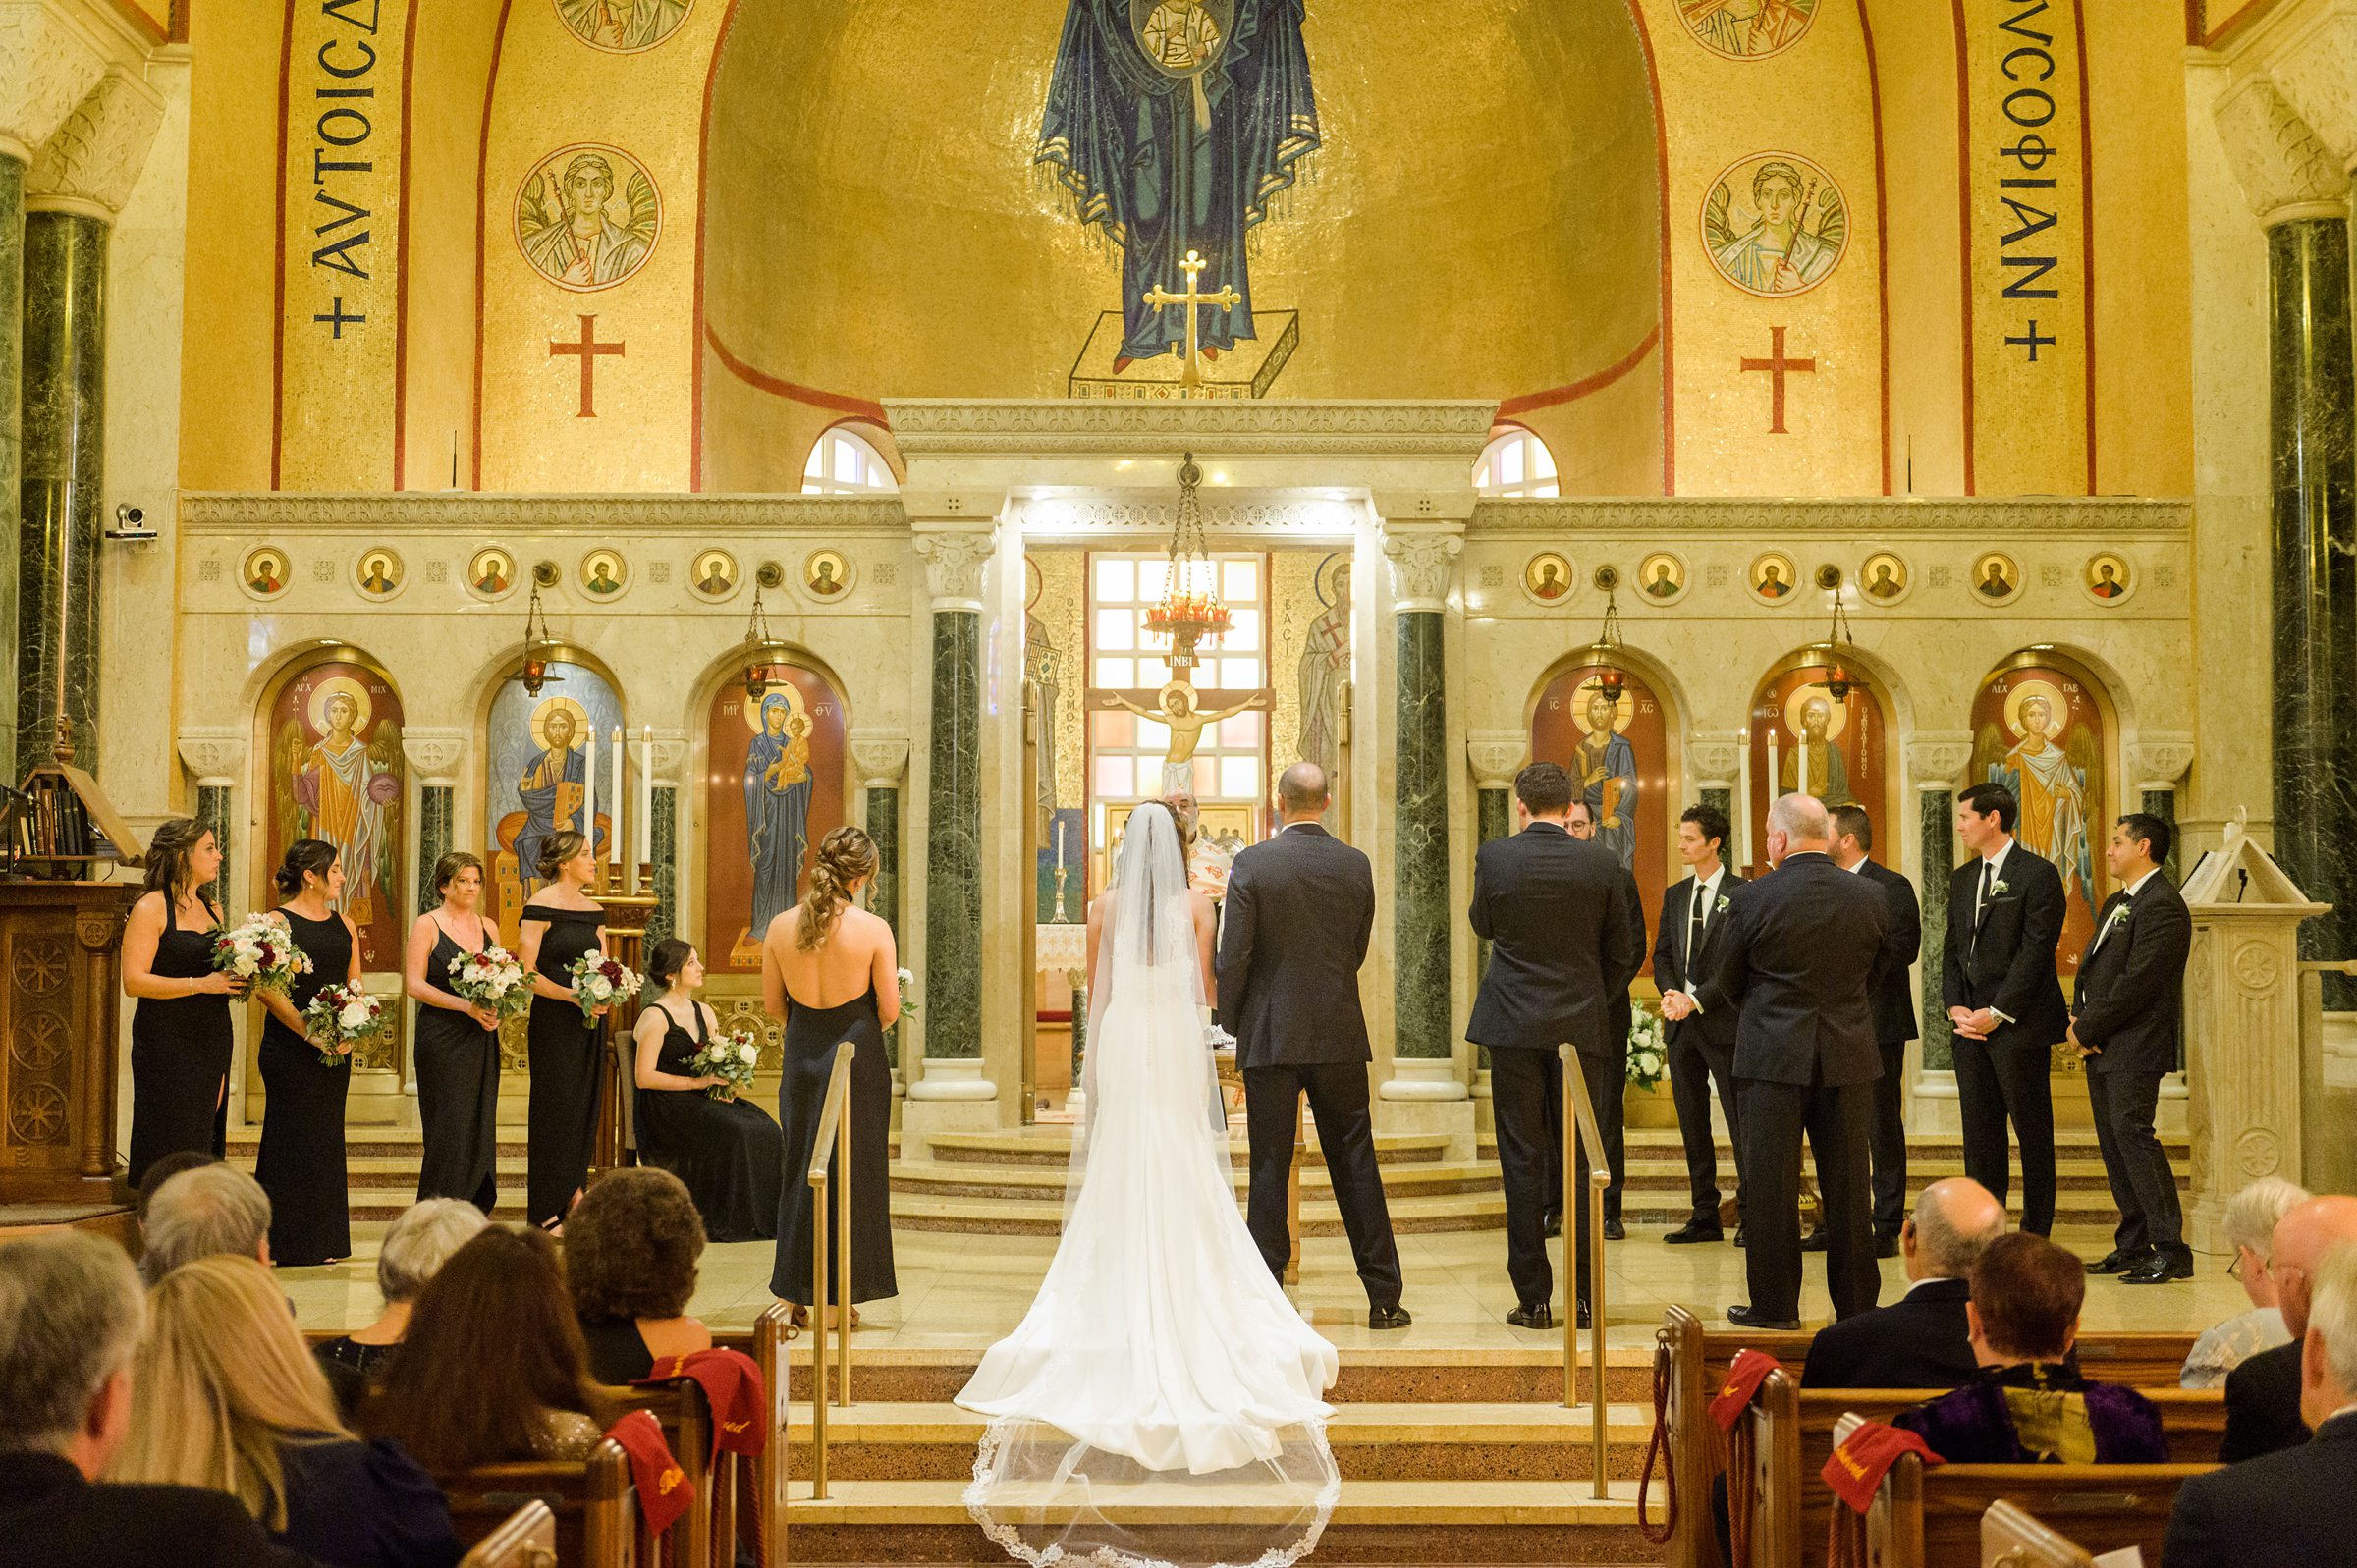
354 1014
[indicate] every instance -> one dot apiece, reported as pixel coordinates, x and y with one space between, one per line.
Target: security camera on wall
130 524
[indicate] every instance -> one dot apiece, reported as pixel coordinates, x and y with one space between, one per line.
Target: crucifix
1776 364
586 350
1161 298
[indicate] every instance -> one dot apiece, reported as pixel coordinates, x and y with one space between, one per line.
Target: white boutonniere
1724 904
1999 888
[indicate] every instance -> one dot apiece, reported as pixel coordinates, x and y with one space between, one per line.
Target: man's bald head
1953 1223
1801 819
1302 791
2303 1236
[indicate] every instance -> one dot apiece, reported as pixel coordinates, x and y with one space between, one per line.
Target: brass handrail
834 1128
1582 1124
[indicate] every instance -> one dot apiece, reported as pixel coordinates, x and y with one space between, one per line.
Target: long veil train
1162 1402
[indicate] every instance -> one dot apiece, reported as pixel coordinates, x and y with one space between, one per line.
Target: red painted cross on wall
1776 365
588 349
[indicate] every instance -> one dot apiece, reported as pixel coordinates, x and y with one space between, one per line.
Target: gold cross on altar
1161 298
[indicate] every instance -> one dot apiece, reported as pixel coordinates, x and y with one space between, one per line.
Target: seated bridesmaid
727 1151
631 1246
2030 1405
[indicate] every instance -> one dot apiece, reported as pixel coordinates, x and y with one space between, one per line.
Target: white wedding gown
1161 1364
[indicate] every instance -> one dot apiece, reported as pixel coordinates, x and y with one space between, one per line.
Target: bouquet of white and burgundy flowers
732 1057
600 982
261 951
491 979
340 1020
1647 1050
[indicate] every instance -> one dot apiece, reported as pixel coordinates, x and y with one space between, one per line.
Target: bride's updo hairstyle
844 856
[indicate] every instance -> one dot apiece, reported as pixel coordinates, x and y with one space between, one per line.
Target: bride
1161 1364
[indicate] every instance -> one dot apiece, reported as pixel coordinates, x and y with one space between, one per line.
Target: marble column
955 557
1422 559
882 758
217 757
2158 763
1495 755
664 847
434 758
1712 758
1936 761
63 418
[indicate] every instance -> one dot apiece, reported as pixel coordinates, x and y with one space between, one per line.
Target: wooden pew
526 1539
1791 1430
2011 1539
681 1410
768 1351
1932 1518
593 1506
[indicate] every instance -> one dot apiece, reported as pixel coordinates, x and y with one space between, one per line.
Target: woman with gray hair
2250 1227
415 1247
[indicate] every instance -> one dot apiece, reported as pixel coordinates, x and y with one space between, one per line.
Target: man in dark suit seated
1550 907
71 1311
1924 1338
2130 1007
2262 1395
2292 1507
1701 1048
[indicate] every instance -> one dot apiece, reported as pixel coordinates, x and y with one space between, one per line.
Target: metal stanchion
1582 1124
834 1137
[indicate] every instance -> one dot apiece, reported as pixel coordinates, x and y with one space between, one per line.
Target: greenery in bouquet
261 951
907 984
493 979
1647 1050
732 1057
601 982
340 1020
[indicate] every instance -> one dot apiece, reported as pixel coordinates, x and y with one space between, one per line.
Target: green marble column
664 835
884 894
2312 402
63 420
12 321
437 805
1495 820
1935 806
1421 917
1722 799
954 841
213 809
2162 803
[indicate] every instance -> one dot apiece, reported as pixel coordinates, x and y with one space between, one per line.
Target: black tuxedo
2263 1405
1702 1048
2006 961
2130 1003
1805 946
1551 907
1894 1027
1612 1111
1299 911
2290 1508
1919 1342
52 1518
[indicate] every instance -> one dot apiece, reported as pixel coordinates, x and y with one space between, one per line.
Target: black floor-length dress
302 1162
728 1152
458 1093
561 1122
180 1051
812 1035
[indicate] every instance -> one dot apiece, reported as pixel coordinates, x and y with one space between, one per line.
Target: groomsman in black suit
1550 907
1609 1111
1299 911
1894 1021
1805 946
1701 1048
2005 916
2130 1007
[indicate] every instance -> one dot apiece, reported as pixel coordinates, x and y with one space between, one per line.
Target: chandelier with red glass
1190 611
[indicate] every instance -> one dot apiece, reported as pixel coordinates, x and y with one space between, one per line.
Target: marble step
941 1179
1050 1146
1044 1215
1397 1521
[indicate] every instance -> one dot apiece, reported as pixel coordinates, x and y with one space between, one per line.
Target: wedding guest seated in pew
226 1396
631 1246
2263 1395
416 1245
165 1168
1924 1338
2028 1402
71 1311
2249 1223
2292 1507
492 1369
212 1211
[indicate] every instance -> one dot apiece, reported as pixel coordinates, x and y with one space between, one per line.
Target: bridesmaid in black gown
302 1161
728 1152
832 971
457 1049
181 1039
559 924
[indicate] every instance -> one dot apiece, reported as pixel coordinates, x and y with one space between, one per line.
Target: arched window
1515 463
844 463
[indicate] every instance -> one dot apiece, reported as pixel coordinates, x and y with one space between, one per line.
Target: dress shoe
1552 1225
1538 1314
1739 1235
1393 1317
1885 1246
1694 1230
2118 1261
1614 1231
1814 1242
1747 1318
2165 1263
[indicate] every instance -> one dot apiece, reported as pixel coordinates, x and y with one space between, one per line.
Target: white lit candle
1059 844
1743 824
589 791
646 795
614 839
1775 773
1801 764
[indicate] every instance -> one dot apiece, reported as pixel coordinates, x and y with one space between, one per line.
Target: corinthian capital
1495 755
2285 172
216 756
953 560
1422 559
881 756
435 754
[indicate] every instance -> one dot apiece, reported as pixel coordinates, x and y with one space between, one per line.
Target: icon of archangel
2050 755
341 754
1173 123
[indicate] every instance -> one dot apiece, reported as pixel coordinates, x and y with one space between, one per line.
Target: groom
1300 908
